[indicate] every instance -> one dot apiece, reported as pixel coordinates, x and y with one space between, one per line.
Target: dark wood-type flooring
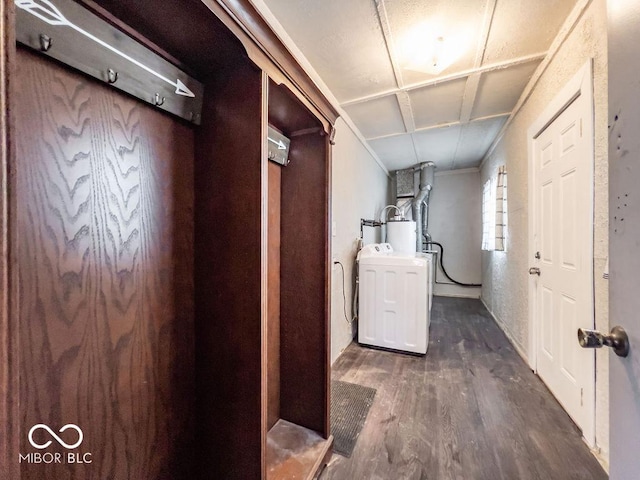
471 409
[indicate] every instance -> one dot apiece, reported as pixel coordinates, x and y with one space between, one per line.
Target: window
501 210
488 215
494 212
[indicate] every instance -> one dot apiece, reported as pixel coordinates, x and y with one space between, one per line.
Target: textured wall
360 190
455 221
505 283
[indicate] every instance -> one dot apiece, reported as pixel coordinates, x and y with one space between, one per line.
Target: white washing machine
395 297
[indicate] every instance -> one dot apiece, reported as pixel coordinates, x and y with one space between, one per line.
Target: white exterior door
562 239
624 233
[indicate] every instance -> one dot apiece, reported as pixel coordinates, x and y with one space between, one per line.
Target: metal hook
332 136
158 100
112 76
45 42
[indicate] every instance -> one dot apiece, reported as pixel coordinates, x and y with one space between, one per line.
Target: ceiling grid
388 40
450 115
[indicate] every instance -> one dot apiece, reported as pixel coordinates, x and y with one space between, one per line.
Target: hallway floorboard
471 409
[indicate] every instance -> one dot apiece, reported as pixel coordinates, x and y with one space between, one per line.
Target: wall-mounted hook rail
86 42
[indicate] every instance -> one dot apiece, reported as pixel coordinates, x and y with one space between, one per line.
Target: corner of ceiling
566 28
281 33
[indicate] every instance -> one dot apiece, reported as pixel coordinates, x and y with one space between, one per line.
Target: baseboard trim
518 348
597 452
456 295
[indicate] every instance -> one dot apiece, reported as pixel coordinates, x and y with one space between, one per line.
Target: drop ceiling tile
437 104
475 140
415 22
525 27
378 117
395 152
343 41
437 145
500 90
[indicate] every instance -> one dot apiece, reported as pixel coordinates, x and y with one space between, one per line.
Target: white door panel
563 226
624 234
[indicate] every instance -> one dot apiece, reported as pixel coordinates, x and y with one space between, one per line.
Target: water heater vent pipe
419 205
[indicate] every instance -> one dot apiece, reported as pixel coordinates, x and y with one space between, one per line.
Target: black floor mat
350 405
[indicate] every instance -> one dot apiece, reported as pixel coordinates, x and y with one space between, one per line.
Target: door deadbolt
617 339
534 271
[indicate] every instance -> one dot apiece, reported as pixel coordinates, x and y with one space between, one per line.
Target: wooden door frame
9 327
581 85
264 271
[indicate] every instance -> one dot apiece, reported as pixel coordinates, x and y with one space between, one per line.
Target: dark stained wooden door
105 260
304 305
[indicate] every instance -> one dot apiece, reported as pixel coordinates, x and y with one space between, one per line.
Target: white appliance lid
395 260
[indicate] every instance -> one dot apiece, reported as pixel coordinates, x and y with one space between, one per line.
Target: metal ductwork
420 203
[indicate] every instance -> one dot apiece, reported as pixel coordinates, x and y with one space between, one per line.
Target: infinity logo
58 439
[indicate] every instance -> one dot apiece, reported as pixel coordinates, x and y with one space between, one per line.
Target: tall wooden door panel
304 331
273 299
105 226
228 258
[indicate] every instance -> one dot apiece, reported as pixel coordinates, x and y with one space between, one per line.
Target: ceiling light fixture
426 49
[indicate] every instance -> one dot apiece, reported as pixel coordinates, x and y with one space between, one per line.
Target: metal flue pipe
422 198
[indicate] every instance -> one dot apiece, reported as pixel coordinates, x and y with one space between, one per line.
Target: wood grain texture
185 29
246 15
228 249
286 113
105 221
469 409
295 452
273 272
198 34
304 382
9 325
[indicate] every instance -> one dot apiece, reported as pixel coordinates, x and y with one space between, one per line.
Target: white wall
455 221
360 189
504 275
